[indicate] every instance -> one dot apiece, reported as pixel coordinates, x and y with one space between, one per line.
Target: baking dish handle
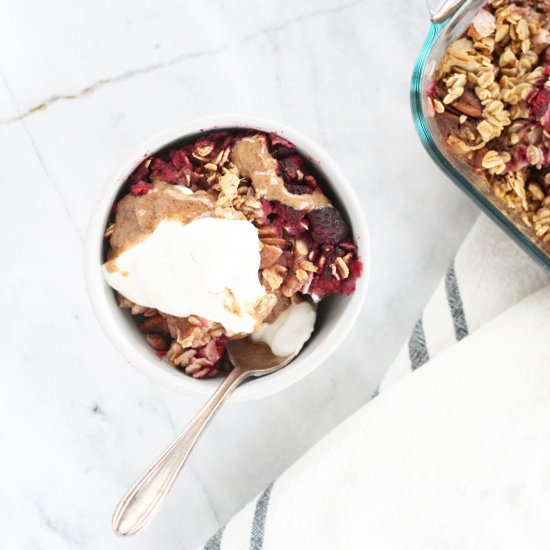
442 9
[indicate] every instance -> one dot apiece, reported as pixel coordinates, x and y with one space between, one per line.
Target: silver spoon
143 500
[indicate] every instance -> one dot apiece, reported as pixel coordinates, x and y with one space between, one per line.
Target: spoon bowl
256 358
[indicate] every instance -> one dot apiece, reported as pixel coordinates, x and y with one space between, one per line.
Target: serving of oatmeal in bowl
227 228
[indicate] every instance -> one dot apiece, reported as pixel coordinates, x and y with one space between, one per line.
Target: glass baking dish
448 21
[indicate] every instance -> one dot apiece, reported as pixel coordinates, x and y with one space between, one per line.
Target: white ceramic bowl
336 315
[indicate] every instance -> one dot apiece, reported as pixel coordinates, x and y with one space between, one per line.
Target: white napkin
456 456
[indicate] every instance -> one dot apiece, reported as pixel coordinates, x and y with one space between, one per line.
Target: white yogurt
290 331
208 268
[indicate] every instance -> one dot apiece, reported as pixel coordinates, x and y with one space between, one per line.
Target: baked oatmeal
490 99
243 216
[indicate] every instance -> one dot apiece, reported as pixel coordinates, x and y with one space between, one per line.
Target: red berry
267 207
141 188
328 226
286 215
299 188
280 147
213 350
356 268
538 102
163 170
291 168
278 140
180 160
140 173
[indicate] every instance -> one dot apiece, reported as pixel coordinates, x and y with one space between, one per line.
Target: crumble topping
490 98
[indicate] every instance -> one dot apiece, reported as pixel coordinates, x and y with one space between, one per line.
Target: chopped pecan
269 231
469 104
269 255
275 241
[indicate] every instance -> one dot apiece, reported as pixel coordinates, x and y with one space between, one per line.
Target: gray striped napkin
488 275
487 278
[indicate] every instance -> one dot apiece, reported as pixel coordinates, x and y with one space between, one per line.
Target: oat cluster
490 98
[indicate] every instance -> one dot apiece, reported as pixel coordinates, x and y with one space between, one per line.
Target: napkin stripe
214 543
258 523
418 350
455 303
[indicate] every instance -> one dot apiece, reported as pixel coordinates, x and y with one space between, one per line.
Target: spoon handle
142 501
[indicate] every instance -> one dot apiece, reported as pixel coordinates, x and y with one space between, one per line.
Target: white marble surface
78 423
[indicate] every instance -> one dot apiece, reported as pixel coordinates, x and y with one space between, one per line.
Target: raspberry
163 170
278 140
539 104
280 147
328 226
299 188
311 181
356 268
348 286
267 207
221 139
213 350
324 285
180 160
141 188
291 168
140 173
286 216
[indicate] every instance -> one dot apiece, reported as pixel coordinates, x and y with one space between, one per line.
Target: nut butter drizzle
253 160
138 216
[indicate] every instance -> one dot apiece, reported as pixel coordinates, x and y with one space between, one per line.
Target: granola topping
490 100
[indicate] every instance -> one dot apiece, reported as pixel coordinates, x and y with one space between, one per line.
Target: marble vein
57 528
159 408
181 58
39 156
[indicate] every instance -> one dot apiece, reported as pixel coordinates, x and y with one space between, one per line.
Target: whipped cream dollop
290 330
208 267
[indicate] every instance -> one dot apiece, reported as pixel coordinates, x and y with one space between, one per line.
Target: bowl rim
259 387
